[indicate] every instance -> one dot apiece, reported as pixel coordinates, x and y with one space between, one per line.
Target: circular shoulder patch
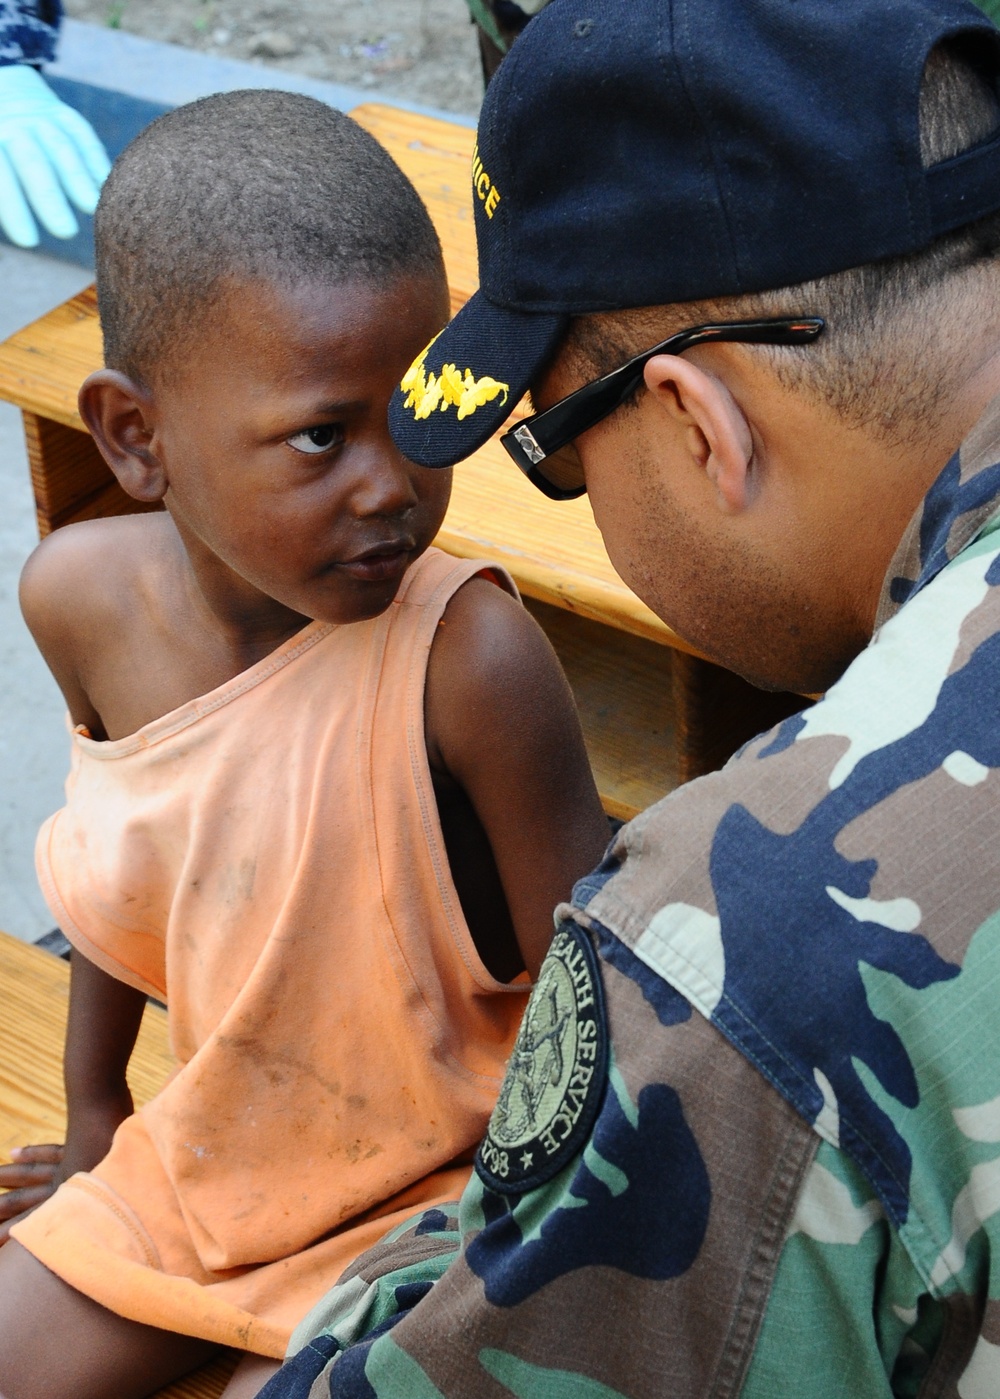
556 1074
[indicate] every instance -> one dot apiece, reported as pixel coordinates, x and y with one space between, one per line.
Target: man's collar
956 508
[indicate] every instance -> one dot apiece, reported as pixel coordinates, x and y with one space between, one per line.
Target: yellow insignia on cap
427 392
483 185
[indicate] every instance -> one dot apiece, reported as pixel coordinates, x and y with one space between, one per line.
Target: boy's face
283 480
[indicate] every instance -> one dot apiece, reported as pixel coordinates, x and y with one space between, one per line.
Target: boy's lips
379 563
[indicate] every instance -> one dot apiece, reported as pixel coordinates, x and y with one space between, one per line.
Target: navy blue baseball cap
646 152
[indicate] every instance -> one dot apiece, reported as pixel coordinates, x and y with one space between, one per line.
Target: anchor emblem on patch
556 1074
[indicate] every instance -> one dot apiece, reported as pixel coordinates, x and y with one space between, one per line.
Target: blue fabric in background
29 30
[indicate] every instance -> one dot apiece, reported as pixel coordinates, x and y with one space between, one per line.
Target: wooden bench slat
70 478
207 1383
43 365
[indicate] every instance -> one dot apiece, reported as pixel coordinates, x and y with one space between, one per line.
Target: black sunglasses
543 445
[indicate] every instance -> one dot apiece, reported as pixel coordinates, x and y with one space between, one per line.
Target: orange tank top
268 858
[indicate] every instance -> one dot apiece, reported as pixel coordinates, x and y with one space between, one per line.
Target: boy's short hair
241 186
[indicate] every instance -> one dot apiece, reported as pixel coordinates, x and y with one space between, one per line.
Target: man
749 1142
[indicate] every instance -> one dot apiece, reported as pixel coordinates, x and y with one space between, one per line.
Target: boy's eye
318 439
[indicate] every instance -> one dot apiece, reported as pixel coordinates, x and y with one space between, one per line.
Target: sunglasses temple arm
589 405
583 410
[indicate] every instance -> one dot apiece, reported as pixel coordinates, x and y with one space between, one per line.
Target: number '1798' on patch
556 1075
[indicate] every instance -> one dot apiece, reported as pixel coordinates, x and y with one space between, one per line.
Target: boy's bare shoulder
487 637
87 577
490 665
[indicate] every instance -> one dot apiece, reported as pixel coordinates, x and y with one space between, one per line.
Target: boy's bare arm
501 722
104 1019
104 1013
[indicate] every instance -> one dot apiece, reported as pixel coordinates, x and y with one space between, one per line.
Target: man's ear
118 412
713 427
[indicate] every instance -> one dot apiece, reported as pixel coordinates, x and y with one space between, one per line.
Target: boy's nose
386 487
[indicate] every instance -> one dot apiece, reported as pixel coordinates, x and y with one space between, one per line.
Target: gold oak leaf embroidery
427 392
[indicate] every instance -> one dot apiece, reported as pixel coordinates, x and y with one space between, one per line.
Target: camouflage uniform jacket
749 1139
502 20
28 30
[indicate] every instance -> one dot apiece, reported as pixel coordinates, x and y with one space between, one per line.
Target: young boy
327 786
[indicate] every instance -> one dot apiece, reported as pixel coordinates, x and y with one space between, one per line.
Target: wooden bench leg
716 713
70 478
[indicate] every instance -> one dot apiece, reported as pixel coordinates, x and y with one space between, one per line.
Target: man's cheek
605 470
625 528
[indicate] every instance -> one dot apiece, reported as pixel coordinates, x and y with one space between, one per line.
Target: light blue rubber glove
49 155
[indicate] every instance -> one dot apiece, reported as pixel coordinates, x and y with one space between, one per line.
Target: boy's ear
713 427
118 413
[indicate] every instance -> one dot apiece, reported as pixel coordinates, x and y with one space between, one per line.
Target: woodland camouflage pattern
791 1184
28 30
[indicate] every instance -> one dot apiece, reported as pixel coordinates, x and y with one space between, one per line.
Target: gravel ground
423 50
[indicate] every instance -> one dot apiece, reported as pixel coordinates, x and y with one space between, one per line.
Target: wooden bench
654 714
32 1103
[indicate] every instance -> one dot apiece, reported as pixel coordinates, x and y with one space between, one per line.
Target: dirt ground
423 50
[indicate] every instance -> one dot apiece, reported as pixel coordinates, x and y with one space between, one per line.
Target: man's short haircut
251 185
878 363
